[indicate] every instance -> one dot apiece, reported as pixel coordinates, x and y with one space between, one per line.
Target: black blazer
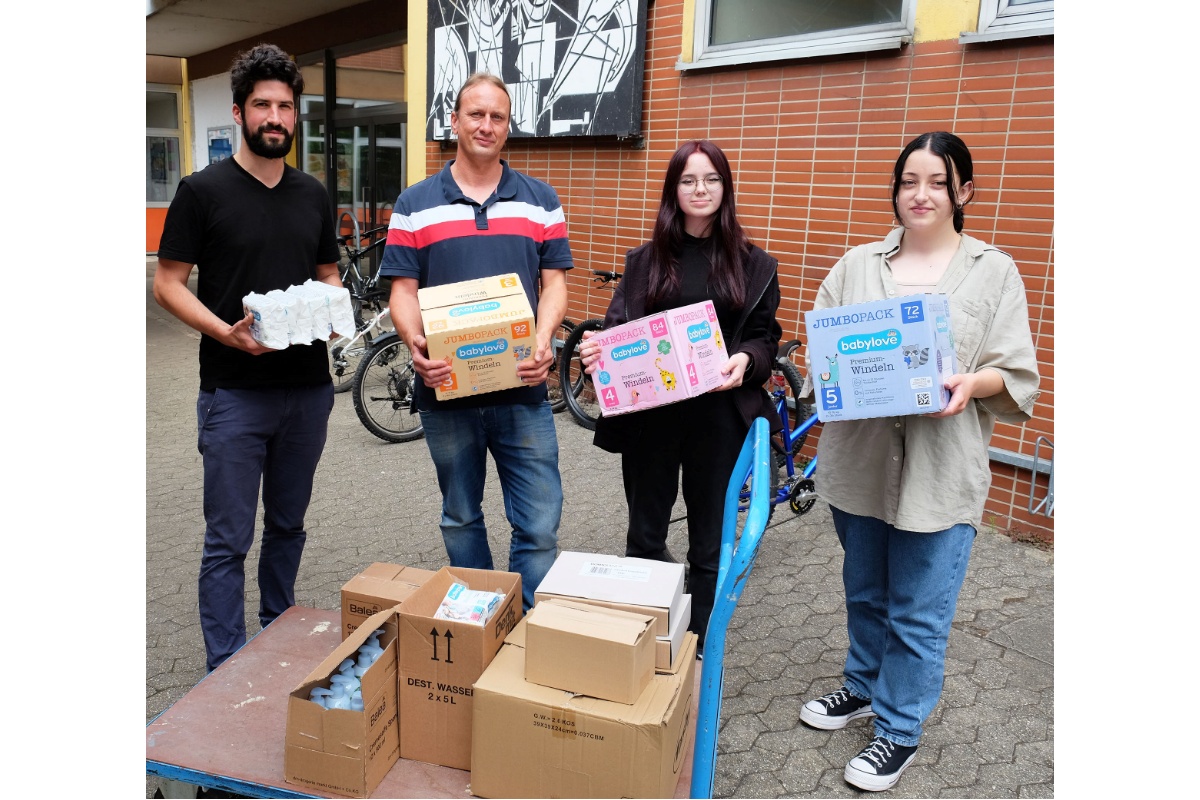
757 333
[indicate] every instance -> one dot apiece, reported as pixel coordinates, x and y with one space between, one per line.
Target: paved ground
992 734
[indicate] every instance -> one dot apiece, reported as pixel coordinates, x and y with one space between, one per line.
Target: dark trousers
701 438
248 437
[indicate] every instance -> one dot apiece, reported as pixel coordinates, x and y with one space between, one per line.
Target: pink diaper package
659 359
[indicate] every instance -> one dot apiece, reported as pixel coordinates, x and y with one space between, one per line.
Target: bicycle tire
583 403
383 390
797 412
554 386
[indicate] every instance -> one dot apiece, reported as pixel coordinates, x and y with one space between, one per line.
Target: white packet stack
270 326
299 321
318 304
341 311
468 605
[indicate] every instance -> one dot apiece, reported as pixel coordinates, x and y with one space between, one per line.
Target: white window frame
1000 19
846 40
169 133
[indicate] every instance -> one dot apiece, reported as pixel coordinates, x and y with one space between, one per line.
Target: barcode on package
618 572
924 399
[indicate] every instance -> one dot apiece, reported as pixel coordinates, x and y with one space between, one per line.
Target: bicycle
346 352
798 488
581 398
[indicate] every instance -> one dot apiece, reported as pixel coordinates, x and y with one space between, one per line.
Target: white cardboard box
628 584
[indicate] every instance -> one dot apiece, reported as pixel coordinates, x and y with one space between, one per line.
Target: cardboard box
533 741
667 648
377 587
589 650
883 359
636 585
662 358
342 751
484 327
441 659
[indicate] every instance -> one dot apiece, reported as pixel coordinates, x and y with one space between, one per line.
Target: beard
258 144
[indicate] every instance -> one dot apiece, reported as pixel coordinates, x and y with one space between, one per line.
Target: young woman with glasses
698 251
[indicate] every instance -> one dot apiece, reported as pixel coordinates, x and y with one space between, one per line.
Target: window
163 166
1009 19
748 31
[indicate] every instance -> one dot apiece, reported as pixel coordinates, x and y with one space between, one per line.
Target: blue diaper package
888 358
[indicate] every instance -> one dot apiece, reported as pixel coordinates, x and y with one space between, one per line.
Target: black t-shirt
246 237
694 270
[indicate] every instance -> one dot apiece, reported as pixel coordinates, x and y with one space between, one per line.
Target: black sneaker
831 712
879 765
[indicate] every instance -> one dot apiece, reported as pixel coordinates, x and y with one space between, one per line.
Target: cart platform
227 732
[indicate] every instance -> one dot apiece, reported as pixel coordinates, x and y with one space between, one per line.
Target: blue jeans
524 445
248 437
901 591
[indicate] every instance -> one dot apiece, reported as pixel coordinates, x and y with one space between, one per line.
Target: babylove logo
474 308
631 350
869 342
697 332
482 349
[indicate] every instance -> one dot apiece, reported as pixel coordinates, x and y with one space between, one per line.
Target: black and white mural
572 67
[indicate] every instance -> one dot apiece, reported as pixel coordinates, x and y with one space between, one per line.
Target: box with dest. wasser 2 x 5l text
888 358
440 660
483 328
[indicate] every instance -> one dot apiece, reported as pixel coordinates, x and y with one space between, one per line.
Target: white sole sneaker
813 713
872 782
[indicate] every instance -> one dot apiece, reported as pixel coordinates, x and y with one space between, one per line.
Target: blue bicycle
797 487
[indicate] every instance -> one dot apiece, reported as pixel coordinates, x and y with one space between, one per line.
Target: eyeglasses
688 185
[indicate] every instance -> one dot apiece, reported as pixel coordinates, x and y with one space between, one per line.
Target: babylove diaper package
888 358
483 328
659 359
303 314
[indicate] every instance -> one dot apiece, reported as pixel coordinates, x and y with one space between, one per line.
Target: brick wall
812 143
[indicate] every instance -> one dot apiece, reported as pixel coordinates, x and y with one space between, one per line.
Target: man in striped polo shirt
477 218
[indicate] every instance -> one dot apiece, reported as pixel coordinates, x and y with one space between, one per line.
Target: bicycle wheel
383 391
785 376
553 385
582 402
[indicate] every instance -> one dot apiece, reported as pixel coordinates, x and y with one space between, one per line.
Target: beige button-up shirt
914 472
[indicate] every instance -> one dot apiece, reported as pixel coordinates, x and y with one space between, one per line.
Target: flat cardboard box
338 750
889 358
440 660
377 587
534 741
667 648
658 359
637 585
589 650
483 327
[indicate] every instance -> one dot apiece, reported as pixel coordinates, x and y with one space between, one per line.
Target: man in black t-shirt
251 223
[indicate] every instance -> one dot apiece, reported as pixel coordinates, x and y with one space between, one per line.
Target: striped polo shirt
438 235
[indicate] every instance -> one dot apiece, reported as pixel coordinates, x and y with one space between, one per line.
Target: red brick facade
812 144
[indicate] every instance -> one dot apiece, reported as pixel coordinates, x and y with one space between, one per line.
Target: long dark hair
726 246
951 150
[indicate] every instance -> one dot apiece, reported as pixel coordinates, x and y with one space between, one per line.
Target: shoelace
835 699
878 751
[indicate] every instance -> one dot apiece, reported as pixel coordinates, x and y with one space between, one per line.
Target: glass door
370 169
